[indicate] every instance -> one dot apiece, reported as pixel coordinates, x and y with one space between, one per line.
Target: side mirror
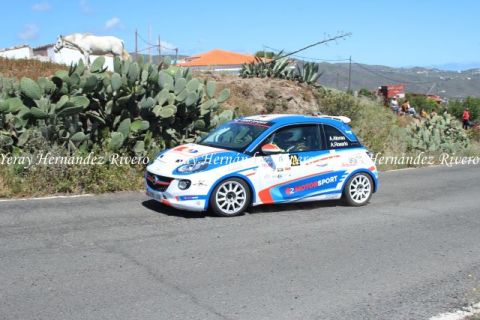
270 148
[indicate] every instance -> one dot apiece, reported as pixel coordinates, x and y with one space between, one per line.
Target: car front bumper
172 196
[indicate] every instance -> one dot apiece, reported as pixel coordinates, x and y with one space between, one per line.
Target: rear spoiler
343 119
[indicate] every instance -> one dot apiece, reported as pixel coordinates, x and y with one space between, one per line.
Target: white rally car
265 159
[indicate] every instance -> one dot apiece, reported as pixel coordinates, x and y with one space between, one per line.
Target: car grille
156 182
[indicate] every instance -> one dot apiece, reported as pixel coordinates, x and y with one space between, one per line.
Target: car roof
282 119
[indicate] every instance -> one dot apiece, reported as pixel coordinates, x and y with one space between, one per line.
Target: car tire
230 198
358 190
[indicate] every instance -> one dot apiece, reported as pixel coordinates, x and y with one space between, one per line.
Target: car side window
297 138
335 139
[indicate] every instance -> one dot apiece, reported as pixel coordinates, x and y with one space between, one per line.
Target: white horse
89 44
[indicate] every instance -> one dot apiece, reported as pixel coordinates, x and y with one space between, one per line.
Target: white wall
68 56
17 53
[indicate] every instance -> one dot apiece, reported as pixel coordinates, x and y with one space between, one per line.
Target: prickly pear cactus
440 133
137 108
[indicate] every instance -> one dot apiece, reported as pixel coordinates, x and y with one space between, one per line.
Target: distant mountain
449 84
417 79
457 66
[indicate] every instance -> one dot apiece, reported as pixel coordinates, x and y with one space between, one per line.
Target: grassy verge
40 178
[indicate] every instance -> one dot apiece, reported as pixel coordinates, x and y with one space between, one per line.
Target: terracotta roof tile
217 57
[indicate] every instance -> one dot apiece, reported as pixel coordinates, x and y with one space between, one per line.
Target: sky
394 33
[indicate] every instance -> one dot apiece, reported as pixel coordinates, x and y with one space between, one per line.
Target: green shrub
265 54
439 133
456 107
307 72
366 93
376 127
420 102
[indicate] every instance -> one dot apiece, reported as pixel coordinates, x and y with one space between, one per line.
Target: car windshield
235 135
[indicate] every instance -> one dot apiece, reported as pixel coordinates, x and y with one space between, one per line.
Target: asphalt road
412 253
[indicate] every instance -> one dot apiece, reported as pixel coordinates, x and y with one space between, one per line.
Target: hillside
28 68
263 96
448 84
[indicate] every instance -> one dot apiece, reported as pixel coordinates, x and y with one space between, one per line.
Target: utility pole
149 43
136 44
159 50
349 74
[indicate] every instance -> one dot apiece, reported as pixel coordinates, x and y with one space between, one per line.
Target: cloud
112 23
29 32
85 7
41 7
167 45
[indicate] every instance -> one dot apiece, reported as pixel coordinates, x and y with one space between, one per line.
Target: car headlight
193 167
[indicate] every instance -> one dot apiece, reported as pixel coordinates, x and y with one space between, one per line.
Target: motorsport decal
192 197
269 162
311 185
294 160
303 187
255 122
185 149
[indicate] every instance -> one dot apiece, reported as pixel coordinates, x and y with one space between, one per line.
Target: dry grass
28 68
68 179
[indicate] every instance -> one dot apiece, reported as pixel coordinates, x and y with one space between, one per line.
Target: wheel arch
370 174
224 178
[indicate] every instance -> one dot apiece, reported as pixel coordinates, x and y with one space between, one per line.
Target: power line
358 64
154 45
308 58
324 41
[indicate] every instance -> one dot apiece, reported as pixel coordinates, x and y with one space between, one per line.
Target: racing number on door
294 160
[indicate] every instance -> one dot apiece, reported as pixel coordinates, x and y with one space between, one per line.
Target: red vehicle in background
390 91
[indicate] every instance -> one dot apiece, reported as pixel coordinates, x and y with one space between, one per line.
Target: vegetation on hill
456 107
138 109
141 108
34 69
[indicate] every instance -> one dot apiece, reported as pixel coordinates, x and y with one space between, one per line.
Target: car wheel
358 190
230 198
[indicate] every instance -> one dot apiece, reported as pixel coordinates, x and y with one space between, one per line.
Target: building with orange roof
217 60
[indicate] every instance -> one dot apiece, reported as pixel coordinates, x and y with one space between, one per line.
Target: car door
341 160
292 174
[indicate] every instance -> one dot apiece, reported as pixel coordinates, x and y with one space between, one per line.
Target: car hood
167 161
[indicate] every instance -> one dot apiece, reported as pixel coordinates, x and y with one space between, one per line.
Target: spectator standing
466 118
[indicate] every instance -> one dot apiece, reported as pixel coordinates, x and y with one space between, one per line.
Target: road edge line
48 197
459 314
